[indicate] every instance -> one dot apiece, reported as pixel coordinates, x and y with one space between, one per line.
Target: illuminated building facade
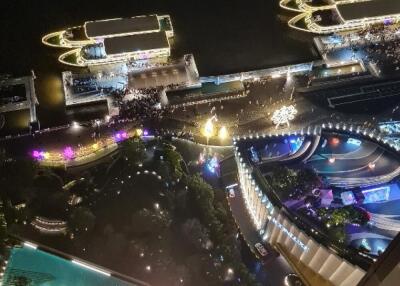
114 40
286 230
278 229
329 16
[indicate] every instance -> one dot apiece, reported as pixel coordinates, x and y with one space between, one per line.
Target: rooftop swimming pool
40 268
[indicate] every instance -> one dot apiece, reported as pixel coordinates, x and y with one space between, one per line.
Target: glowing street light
209 128
230 274
75 125
284 115
223 133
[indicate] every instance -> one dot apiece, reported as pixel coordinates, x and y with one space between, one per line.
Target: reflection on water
87 112
50 90
224 37
15 122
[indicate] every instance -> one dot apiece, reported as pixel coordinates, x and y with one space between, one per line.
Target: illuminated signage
291 235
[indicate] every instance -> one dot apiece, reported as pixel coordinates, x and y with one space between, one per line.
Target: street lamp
208 129
75 125
230 274
223 133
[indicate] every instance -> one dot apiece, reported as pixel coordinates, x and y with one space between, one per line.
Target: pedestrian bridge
257 74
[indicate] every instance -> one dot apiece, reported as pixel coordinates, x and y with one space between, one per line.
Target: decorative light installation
40 155
284 115
145 132
213 165
120 136
68 153
139 132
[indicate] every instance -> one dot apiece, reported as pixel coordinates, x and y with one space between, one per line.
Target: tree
307 179
83 188
357 215
195 234
3 229
339 217
47 183
133 150
284 181
16 178
54 205
81 219
337 233
174 159
146 222
201 199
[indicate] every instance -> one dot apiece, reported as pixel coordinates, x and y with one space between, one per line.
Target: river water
224 35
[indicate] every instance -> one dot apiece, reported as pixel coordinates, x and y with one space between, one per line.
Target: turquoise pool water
43 269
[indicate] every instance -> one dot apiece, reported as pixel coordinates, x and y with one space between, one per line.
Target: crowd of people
365 37
141 104
376 44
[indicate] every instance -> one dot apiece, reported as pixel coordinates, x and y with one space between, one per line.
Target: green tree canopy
81 219
133 150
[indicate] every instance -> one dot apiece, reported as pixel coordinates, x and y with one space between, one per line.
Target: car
293 280
261 249
232 193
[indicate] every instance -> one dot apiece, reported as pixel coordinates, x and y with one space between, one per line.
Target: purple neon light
146 132
119 136
68 153
38 155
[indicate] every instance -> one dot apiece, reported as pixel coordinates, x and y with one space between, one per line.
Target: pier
30 101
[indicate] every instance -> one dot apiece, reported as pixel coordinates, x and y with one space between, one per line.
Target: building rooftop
368 9
122 26
139 42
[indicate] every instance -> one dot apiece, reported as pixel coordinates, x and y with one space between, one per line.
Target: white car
261 249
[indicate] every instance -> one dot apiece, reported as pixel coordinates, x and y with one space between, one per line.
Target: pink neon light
68 153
